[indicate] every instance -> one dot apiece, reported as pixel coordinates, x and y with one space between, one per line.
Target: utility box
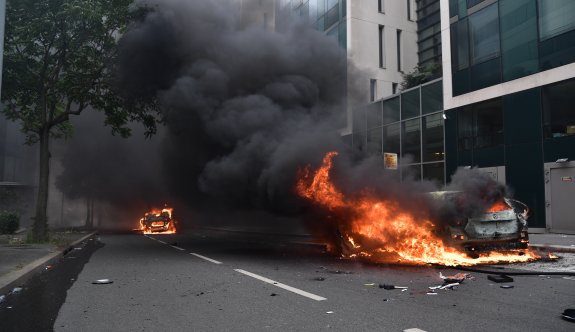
559 193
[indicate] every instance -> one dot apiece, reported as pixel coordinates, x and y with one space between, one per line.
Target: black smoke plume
244 109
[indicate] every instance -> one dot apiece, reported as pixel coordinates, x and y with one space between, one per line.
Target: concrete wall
363 21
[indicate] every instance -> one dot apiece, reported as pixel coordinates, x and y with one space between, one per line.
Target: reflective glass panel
484 34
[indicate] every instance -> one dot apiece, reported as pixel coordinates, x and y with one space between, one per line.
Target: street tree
59 59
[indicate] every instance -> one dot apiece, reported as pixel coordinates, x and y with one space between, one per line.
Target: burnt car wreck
502 226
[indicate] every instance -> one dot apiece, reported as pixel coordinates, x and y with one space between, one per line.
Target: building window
558 116
372 90
374 145
434 172
391 138
410 104
481 125
555 17
381 47
398 50
409 13
432 134
411 140
393 88
484 34
332 14
381 6
459 45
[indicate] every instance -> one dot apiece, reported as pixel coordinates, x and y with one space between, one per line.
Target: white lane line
413 330
182 249
161 241
280 285
206 258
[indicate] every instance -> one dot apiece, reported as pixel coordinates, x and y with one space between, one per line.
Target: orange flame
498 206
170 229
383 231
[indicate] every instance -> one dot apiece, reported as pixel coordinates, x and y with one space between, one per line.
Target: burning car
381 230
158 221
502 226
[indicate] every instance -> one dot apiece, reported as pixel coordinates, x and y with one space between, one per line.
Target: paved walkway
18 260
555 242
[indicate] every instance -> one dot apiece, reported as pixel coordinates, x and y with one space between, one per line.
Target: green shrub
9 222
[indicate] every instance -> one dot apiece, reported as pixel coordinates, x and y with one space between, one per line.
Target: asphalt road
210 282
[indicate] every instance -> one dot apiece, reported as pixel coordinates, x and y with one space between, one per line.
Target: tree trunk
40 227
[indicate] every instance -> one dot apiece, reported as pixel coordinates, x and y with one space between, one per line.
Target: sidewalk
553 242
20 261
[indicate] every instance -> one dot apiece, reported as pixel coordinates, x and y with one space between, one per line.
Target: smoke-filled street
286 165
220 281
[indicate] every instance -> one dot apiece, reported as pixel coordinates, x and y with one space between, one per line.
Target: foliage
58 61
59 58
9 222
420 75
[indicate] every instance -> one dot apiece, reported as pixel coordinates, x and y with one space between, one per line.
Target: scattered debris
16 290
370 284
569 278
458 278
2 298
48 267
431 293
102 282
500 278
329 312
200 293
273 294
319 279
569 314
389 287
506 286
445 286
340 272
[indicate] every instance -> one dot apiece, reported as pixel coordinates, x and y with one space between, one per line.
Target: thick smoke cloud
244 109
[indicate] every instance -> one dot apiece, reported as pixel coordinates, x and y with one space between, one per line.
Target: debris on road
102 282
16 290
389 287
340 272
569 314
329 312
48 267
273 294
431 293
500 278
319 279
370 284
459 278
2 298
506 286
445 286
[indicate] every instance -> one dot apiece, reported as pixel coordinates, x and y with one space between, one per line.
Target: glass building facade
499 41
410 125
326 15
428 32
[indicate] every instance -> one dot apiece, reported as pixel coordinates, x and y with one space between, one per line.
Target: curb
19 277
553 248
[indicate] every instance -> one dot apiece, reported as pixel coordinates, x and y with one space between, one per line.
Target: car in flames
502 226
158 221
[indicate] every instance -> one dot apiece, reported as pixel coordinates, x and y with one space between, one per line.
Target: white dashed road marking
206 258
280 285
413 330
182 249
